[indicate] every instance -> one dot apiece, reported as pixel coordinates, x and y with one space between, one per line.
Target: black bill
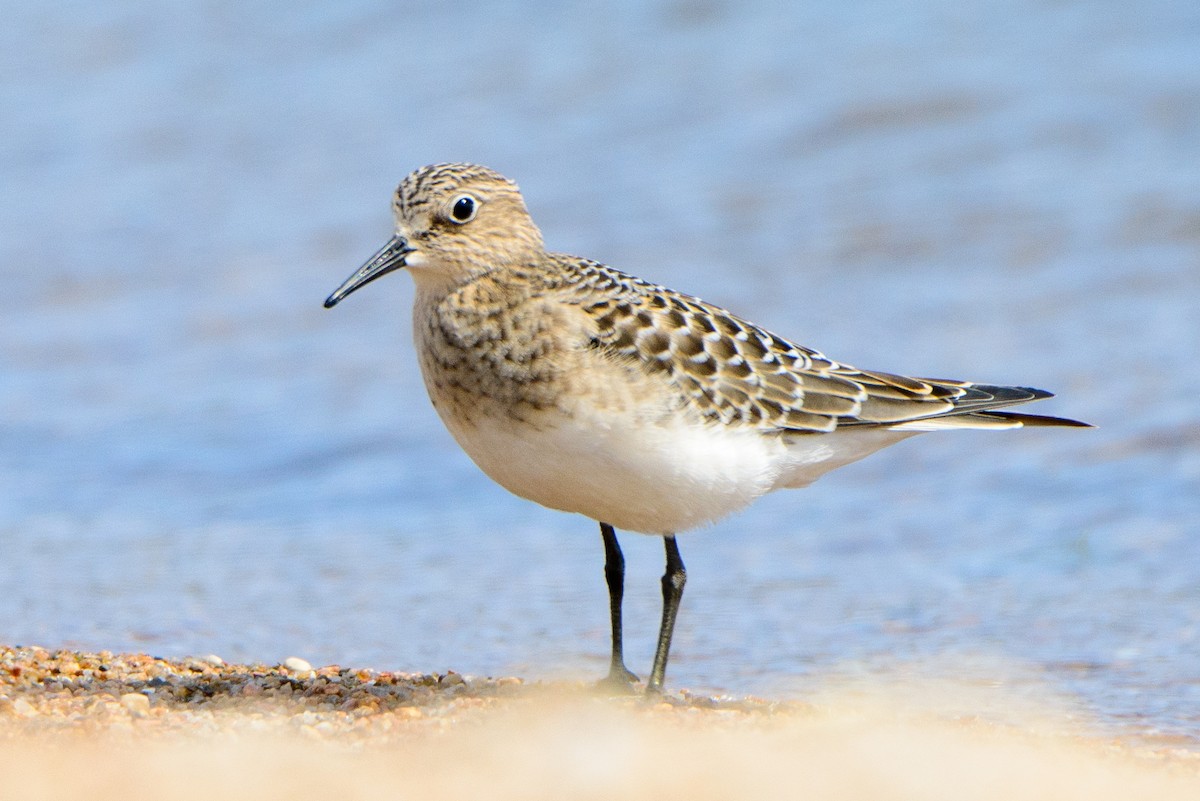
389 257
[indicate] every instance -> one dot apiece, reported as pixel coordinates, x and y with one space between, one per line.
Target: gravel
47 690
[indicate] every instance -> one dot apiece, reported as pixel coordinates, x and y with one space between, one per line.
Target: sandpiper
582 388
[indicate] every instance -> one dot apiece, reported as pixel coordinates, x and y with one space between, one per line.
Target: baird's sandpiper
585 389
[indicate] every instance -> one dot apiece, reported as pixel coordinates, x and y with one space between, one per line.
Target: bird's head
454 222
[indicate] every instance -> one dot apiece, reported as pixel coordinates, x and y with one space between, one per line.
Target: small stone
23 709
450 679
297 665
137 704
213 660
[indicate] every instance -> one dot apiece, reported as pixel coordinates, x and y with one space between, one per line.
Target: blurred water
196 457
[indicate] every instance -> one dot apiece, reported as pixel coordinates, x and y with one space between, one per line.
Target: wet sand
114 725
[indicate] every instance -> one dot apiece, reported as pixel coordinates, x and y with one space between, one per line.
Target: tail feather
981 420
1035 420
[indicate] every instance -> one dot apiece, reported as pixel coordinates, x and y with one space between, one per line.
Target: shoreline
111 725
60 689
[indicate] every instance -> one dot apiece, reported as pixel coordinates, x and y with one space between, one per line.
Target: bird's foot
619 681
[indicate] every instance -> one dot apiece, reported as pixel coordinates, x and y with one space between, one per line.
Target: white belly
656 480
652 478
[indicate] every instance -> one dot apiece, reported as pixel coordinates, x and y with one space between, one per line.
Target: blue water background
195 457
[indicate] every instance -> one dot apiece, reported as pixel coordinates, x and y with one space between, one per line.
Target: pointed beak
390 257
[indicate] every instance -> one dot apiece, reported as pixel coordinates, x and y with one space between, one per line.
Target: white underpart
656 479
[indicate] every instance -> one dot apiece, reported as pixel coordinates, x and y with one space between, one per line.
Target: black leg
672 589
619 676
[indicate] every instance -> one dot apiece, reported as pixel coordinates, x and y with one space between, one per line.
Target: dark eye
464 208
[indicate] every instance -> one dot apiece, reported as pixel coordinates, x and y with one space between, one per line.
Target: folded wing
732 371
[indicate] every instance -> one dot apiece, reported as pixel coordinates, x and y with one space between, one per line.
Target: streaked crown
463 220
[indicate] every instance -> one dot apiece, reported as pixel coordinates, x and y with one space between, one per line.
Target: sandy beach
113 725
199 458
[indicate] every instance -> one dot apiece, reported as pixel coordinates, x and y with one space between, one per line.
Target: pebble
297 665
137 704
451 679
